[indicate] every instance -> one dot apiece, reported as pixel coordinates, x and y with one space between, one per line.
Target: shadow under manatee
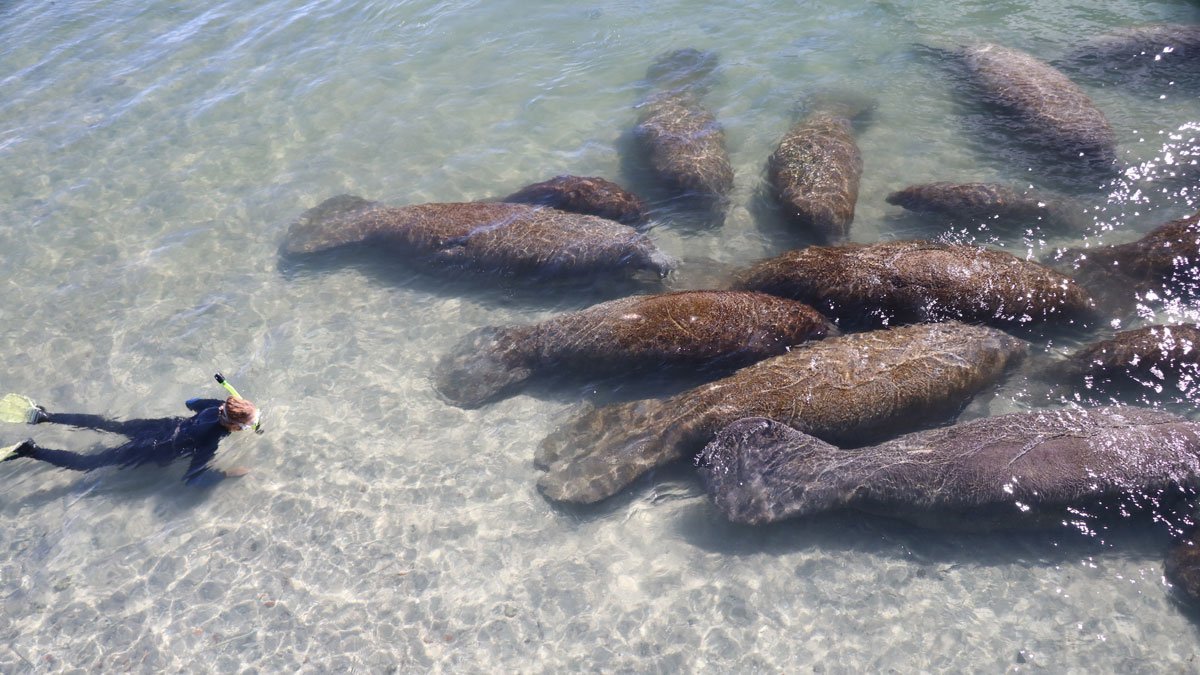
392 269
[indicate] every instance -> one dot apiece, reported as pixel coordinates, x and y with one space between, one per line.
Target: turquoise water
151 159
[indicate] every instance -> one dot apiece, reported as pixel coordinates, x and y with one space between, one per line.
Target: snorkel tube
234 393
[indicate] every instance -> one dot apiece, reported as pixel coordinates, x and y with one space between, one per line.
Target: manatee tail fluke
759 471
604 449
487 364
334 222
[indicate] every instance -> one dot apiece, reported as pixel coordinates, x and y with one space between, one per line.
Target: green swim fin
10 452
18 409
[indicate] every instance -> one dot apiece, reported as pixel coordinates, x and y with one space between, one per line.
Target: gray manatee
686 68
587 195
1171 47
815 172
1052 110
849 389
685 145
1022 469
992 203
687 328
906 281
509 239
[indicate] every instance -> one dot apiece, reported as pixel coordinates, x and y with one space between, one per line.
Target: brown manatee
815 171
509 239
1166 262
686 328
906 281
992 203
850 389
685 145
1022 469
1052 111
1160 359
587 195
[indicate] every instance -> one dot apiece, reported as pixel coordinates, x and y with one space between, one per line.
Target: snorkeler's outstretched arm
202 404
200 474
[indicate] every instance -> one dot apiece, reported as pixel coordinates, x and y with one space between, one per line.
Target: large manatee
510 239
906 281
1022 469
1172 48
849 389
994 204
584 194
685 145
1052 110
815 172
1151 358
1164 261
687 328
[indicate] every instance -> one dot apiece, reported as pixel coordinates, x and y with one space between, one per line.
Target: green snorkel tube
234 393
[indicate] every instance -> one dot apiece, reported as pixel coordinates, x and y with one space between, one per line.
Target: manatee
686 328
1164 260
1052 110
587 195
993 204
1017 470
1182 569
509 239
682 69
906 281
685 145
1157 357
815 173
849 389
1164 46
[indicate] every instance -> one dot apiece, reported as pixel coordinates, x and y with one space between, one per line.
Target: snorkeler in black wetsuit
160 441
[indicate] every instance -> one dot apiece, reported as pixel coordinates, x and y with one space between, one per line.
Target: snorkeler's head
238 414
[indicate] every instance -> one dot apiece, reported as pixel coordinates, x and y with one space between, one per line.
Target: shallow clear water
151 159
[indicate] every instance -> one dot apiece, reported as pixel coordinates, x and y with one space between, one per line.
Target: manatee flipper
487 363
334 222
604 449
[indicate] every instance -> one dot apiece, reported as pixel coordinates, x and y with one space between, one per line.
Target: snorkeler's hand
236 472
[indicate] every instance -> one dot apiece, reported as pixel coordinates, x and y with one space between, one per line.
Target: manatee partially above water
850 389
1052 110
1153 359
1022 469
994 204
815 172
687 328
584 194
1164 261
508 239
906 281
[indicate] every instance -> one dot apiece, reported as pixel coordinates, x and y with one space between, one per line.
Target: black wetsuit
160 441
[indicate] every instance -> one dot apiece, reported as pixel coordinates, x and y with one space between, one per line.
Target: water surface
151 158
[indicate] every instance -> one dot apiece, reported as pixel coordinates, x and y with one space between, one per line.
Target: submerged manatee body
685 145
991 203
1152 358
686 68
587 195
508 239
1020 469
1164 261
1051 109
815 174
906 281
849 389
1173 49
688 328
